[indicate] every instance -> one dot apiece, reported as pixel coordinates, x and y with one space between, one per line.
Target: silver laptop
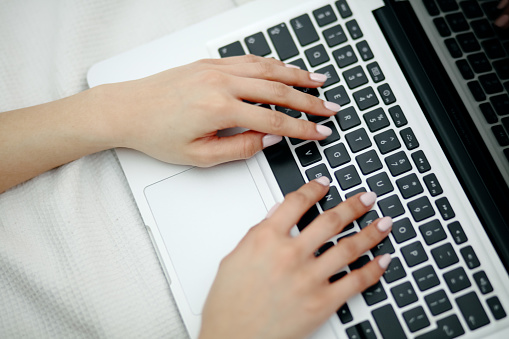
424 90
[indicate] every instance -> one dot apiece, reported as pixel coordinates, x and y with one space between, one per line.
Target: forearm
39 138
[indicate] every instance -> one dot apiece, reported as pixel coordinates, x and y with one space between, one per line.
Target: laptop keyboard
481 51
435 286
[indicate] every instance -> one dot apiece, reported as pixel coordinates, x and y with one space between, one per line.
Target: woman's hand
503 20
273 286
175 115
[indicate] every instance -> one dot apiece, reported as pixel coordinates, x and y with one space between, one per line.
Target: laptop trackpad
202 214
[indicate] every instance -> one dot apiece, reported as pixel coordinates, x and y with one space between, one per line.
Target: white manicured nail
332 106
323 130
323 180
368 198
292 66
384 261
384 224
271 139
318 77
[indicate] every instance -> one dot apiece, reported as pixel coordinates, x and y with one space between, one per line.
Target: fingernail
292 66
368 198
502 20
323 130
332 106
272 210
271 139
323 180
318 77
384 224
384 261
502 4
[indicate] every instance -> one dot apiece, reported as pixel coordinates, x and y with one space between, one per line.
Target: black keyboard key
324 15
445 208
344 314
444 255
375 72
368 162
488 113
338 95
337 155
343 9
367 219
353 28
442 27
288 111
477 91
470 257
479 62
397 115
317 172
453 48
385 246
482 29
502 68
395 271
284 167
471 9
408 137
257 44
317 55
283 42
438 302
332 75
421 209
500 103
322 250
496 308
491 10
388 323
482 281
465 69
358 140
472 310
380 184
376 119
457 280
404 294
360 262
334 36
316 118
457 22
490 83
448 5
331 199
457 233
345 56
432 232
233 49
409 186
468 42
331 138
308 154
398 163
387 141
365 98
304 29
387 94
433 185
449 327
414 254
362 330
421 162
426 278
364 50
355 77
310 91
391 206
348 177
416 319
402 230
493 49
347 118
500 135
300 63
308 217
431 7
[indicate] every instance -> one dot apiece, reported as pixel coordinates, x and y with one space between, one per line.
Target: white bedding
75 259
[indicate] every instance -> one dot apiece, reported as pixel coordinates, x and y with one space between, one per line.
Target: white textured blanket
75 260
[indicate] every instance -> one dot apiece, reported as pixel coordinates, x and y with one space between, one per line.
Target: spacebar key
388 323
284 167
